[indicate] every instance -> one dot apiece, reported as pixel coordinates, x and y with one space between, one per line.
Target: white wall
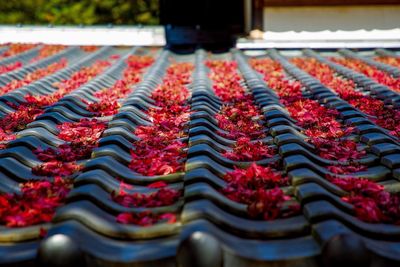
331 18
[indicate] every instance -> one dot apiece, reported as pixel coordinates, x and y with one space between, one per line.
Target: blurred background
262 23
87 12
267 15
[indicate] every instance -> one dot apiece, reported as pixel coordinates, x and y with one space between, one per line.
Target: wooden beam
328 2
257 14
247 7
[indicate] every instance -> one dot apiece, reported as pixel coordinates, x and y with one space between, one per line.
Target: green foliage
87 12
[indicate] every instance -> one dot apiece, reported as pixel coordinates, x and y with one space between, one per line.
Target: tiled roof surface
141 157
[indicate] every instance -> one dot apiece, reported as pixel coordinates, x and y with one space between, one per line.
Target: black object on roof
202 23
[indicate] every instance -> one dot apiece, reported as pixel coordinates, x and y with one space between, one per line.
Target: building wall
317 18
